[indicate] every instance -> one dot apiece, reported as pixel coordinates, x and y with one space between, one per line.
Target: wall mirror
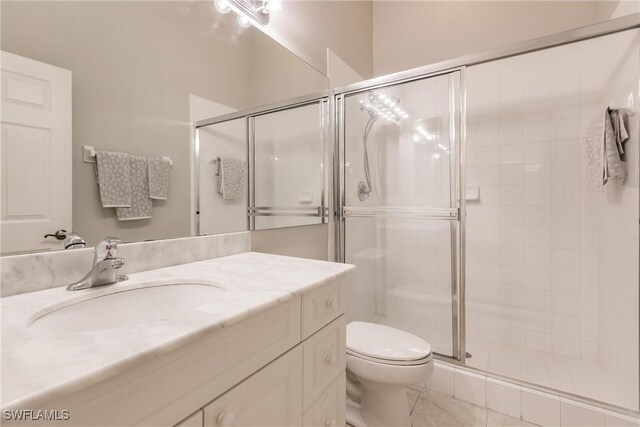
132 78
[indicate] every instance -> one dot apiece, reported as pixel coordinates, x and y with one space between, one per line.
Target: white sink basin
124 307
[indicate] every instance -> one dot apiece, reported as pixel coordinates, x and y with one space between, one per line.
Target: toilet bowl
381 362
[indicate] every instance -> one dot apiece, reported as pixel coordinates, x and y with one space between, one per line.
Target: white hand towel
231 178
140 200
113 178
159 178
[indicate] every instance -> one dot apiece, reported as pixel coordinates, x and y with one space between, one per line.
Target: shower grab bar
448 214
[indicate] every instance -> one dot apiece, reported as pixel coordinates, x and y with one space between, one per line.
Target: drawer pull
330 422
331 359
331 303
226 419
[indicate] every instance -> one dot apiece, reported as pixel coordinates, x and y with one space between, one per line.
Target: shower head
380 104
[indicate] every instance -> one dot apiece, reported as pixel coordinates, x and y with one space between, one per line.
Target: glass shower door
400 223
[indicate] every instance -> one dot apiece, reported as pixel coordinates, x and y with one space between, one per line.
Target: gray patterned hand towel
231 182
112 176
615 136
606 137
159 178
140 200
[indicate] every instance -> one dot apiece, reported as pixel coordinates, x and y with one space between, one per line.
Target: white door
35 155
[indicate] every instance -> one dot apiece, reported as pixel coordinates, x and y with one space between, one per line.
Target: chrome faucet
104 270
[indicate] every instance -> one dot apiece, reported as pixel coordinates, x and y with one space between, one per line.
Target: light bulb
243 21
222 6
275 5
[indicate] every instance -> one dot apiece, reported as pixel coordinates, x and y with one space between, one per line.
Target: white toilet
381 362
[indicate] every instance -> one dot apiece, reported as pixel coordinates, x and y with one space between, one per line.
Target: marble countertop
36 366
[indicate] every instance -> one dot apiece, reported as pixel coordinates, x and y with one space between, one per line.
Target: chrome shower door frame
457 189
249 116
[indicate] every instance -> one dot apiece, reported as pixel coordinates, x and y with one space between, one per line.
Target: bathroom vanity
247 339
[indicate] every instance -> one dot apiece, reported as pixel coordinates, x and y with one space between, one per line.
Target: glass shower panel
398 145
404 276
288 148
401 225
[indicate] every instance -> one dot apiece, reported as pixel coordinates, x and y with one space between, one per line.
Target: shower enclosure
465 196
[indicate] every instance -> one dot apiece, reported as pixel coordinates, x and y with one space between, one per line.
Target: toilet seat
422 361
386 345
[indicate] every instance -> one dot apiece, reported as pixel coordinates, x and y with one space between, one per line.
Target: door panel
401 224
36 153
404 276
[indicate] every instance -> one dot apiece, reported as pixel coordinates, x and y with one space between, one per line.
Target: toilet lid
384 342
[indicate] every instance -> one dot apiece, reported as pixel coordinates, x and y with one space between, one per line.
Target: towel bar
213 162
89 153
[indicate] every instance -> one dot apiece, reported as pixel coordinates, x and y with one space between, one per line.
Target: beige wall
408 34
309 241
339 72
308 28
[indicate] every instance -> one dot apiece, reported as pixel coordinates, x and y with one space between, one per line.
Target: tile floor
430 409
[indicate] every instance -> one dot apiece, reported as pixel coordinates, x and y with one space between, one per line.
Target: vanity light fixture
243 21
222 6
249 11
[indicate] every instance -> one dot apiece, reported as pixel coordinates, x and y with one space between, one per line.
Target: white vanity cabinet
270 397
194 420
304 386
270 352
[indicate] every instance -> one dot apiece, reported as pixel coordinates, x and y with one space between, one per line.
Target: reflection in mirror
288 185
219 208
122 77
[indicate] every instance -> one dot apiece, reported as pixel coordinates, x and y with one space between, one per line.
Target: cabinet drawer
324 359
329 409
194 420
321 306
270 397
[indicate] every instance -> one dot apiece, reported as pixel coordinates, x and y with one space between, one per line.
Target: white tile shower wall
551 266
618 225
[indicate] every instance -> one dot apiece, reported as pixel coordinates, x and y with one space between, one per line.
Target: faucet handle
107 248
